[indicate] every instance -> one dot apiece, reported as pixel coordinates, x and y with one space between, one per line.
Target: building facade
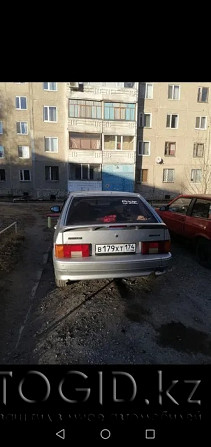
152 138
173 139
33 141
59 137
102 126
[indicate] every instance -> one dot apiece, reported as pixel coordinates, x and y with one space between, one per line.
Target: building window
146 91
172 121
52 173
145 120
127 143
198 150
203 93
85 109
24 175
51 144
149 91
201 122
84 141
1 151
21 102
2 175
49 113
111 84
129 84
143 147
50 86
22 127
168 175
101 84
119 111
23 151
118 142
110 142
84 171
1 127
170 149
196 175
173 92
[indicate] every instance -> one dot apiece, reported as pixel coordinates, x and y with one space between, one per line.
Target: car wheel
60 283
203 252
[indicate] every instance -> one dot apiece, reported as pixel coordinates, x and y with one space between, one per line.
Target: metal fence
7 228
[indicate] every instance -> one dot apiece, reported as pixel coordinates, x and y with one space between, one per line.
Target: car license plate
115 248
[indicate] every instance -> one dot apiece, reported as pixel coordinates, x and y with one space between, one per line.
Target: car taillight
72 250
148 248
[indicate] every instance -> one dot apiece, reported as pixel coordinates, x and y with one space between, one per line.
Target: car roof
201 196
103 193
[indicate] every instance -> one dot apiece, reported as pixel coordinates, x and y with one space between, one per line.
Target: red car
189 215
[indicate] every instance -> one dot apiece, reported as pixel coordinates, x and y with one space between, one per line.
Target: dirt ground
21 260
12 243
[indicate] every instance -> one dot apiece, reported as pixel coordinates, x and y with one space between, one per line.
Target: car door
198 222
175 215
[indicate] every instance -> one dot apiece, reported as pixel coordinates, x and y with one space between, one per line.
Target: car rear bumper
105 267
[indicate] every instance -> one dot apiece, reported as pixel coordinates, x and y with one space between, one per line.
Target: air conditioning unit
77 86
159 160
74 85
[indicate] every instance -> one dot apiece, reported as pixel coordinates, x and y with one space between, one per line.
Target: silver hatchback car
108 235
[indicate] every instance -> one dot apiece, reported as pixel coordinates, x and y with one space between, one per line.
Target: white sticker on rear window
129 202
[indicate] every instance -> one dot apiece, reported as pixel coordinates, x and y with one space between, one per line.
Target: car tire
60 283
203 252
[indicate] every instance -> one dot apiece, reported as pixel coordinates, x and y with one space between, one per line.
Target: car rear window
92 210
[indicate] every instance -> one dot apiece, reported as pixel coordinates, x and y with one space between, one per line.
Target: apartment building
149 137
60 137
173 139
102 126
33 139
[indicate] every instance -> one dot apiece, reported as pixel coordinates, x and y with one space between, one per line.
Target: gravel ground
154 320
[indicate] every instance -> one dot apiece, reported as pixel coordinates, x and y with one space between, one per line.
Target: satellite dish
159 160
